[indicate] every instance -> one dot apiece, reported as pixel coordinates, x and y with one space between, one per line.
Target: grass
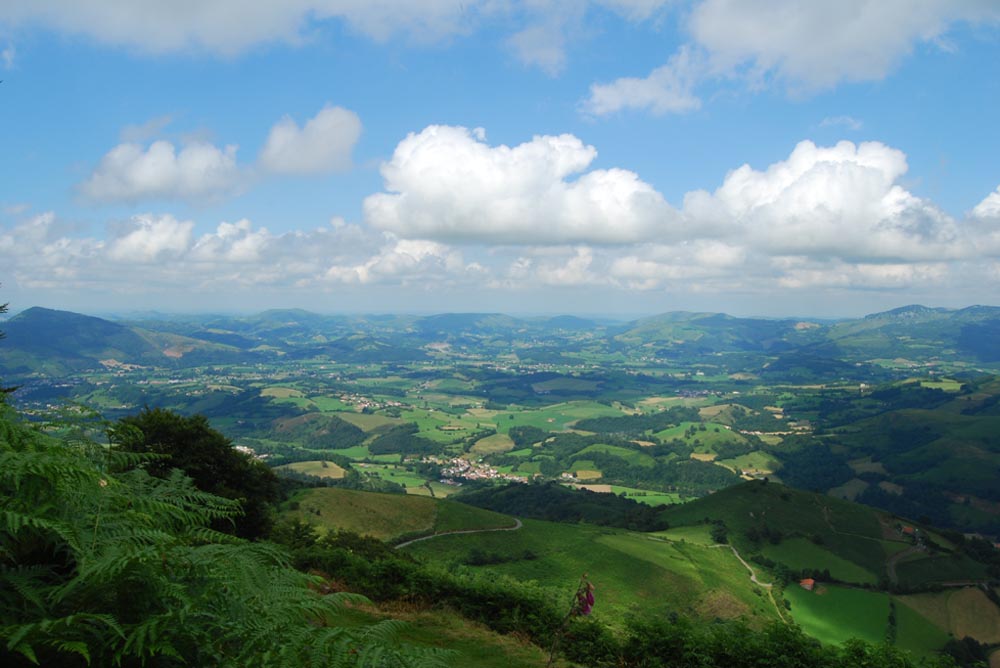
946 384
944 568
632 457
850 490
713 434
800 553
369 422
848 530
393 473
566 385
958 612
648 497
318 468
917 633
454 516
834 614
698 534
492 444
472 644
528 468
330 404
383 516
354 452
280 392
584 469
628 569
388 516
556 417
752 461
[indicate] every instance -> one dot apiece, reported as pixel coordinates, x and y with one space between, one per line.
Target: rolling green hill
388 516
57 343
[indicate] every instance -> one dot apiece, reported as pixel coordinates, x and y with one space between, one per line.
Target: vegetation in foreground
104 564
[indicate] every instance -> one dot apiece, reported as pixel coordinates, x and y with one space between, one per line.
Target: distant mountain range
50 342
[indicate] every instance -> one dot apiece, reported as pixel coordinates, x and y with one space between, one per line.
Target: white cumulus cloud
131 172
989 208
447 184
324 144
843 201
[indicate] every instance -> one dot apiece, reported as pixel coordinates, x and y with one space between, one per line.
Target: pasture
835 614
318 468
801 554
387 516
492 444
960 612
628 569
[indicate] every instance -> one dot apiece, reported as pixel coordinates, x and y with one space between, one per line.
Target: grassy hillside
387 516
318 468
472 644
758 514
628 569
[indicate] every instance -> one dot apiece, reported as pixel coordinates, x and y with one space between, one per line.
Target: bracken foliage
103 564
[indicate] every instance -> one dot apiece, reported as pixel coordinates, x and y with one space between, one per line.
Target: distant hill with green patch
56 343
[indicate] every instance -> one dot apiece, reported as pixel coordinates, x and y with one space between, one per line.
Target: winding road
517 525
753 578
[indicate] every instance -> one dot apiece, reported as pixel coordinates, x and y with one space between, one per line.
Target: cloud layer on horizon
459 212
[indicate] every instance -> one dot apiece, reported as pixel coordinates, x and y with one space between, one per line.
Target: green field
917 633
354 452
556 417
943 568
835 614
849 530
383 516
393 473
494 443
959 612
752 461
471 643
632 457
946 384
388 516
628 569
650 498
712 434
585 469
318 468
330 405
368 422
801 554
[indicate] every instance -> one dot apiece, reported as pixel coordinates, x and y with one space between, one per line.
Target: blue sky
758 157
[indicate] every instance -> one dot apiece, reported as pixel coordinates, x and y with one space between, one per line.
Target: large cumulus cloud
448 184
842 201
132 172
